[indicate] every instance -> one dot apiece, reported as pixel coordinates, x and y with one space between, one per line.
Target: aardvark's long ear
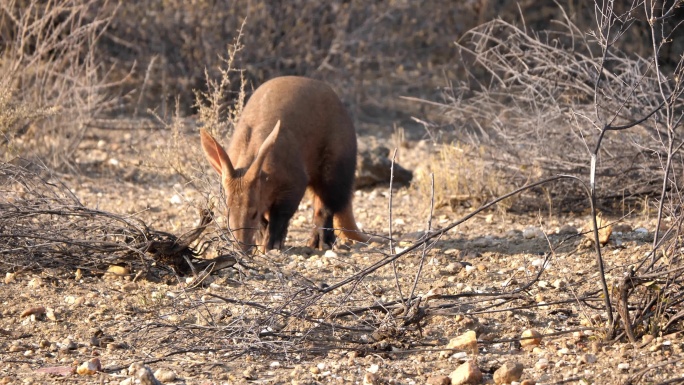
265 148
217 156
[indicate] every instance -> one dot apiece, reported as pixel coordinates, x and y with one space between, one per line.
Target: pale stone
10 277
165 375
655 347
144 376
466 341
508 372
532 232
530 338
587 358
542 364
467 373
89 367
115 270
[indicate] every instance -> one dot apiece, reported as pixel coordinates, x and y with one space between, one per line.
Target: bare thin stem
391 245
423 254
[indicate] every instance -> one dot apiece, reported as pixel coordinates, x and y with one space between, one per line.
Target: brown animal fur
294 133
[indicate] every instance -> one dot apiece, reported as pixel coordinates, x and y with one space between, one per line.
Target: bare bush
535 108
50 67
555 100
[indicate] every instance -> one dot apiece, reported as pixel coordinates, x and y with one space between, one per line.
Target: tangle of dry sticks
44 225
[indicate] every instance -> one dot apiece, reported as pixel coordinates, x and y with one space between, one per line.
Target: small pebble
467 373
89 367
465 342
587 358
165 375
508 373
542 364
532 232
530 338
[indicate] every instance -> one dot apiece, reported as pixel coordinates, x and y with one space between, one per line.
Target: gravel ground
270 319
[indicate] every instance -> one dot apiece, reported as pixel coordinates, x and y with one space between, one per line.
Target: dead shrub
535 112
50 71
575 103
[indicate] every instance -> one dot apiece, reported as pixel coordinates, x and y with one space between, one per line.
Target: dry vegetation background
509 92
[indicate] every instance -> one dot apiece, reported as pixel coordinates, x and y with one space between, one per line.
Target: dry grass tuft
461 178
218 110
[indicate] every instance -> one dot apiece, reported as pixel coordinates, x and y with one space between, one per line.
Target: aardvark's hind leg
322 236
